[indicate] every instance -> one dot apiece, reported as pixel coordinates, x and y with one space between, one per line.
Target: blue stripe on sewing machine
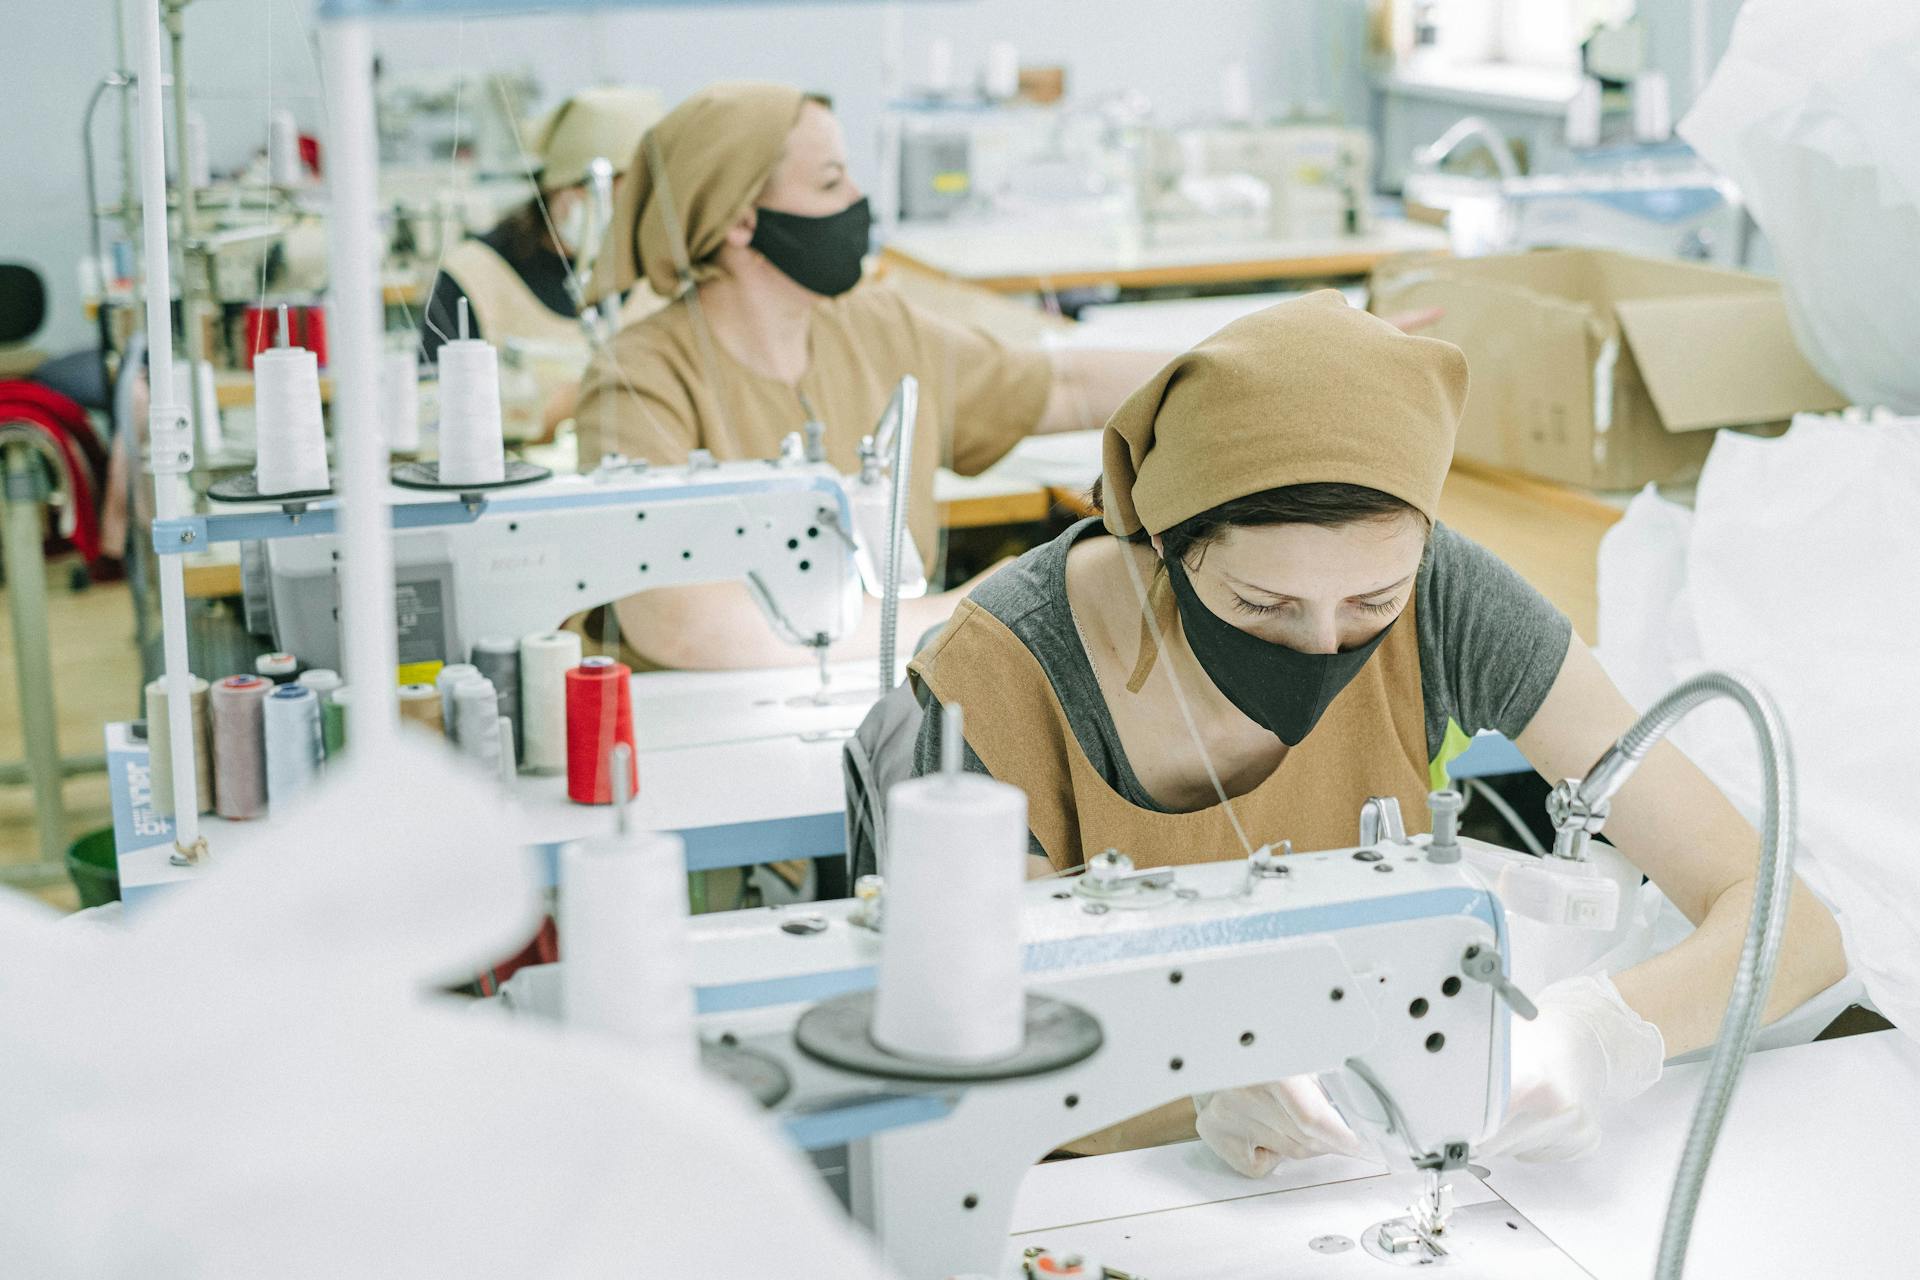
1185 938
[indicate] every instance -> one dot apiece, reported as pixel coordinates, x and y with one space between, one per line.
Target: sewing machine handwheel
838 1033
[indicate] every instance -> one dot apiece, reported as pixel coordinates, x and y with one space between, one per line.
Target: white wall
1298 51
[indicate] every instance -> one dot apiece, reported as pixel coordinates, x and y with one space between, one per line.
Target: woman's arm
716 626
1675 826
1088 385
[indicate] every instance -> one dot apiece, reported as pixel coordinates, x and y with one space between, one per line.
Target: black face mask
1280 689
819 254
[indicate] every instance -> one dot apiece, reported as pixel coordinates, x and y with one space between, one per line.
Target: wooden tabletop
1028 259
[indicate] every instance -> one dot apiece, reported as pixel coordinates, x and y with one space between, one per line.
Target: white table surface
987 251
1813 1176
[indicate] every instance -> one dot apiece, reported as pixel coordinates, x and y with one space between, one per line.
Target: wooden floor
96 679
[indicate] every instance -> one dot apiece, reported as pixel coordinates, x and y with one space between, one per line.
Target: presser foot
1420 1238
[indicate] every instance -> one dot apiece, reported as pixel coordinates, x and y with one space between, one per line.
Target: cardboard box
1606 370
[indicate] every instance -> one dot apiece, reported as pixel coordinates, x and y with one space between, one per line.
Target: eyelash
1262 610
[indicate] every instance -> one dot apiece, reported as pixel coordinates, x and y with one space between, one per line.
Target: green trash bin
93 864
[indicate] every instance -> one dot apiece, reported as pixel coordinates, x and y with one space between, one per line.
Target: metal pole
32 654
353 305
191 330
129 208
169 435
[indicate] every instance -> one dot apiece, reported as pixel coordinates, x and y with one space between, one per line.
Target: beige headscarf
1307 391
712 153
601 122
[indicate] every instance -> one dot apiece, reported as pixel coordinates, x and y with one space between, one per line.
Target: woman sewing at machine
741 208
519 278
1267 628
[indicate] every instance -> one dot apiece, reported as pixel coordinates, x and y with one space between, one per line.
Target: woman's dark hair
1326 504
524 235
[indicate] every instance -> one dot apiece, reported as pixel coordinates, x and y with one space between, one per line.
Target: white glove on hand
1254 1129
1586 1049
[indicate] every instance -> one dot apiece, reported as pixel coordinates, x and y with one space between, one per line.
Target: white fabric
1585 1051
252 1079
1254 1129
1797 567
1811 113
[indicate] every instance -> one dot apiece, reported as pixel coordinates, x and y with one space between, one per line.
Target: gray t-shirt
1490 649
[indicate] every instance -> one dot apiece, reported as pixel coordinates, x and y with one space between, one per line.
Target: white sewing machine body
532 556
1212 976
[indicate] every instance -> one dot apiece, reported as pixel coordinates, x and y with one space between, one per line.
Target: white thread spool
1001 79
476 720
940 66
290 436
283 150
472 449
449 678
321 680
1583 114
545 659
1236 94
199 170
625 968
498 659
160 754
294 751
400 401
950 987
1652 107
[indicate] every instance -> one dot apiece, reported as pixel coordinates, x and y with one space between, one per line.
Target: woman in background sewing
1268 627
742 209
519 280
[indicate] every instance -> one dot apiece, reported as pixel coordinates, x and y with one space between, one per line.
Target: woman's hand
1586 1049
1254 1129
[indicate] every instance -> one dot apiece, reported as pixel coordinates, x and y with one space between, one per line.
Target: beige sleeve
994 394
632 404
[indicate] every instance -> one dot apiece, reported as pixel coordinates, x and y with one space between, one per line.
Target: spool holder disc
838 1032
426 475
246 488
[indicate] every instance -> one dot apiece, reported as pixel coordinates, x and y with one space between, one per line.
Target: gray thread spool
238 721
160 758
498 659
291 718
476 714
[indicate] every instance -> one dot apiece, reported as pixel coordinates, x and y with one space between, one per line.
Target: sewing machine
529 558
805 539
1287 181
1380 967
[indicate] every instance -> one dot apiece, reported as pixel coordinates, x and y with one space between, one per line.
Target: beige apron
1371 742
540 352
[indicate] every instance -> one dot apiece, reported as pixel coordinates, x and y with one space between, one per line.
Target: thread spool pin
508 771
952 739
285 335
463 318
620 760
